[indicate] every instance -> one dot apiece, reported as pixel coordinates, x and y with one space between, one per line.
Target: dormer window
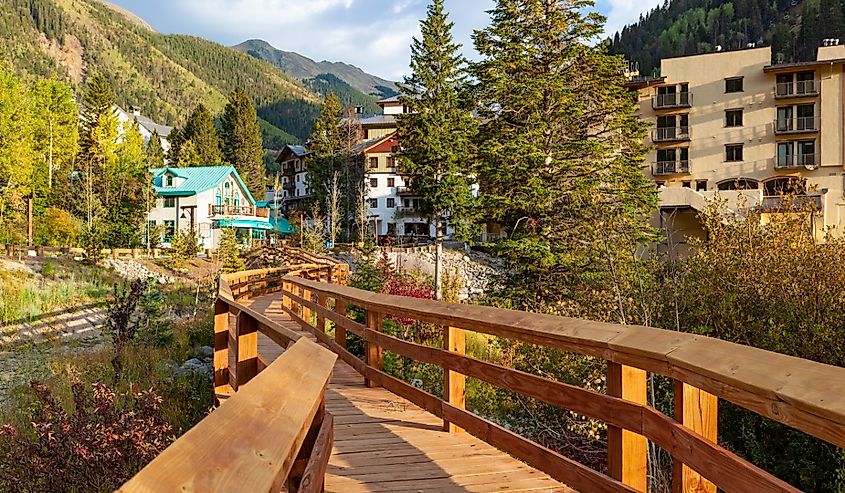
168 180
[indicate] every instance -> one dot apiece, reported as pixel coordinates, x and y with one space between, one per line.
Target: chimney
135 110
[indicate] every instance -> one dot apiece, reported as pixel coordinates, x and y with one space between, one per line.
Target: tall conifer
155 153
561 150
436 133
200 130
323 148
242 145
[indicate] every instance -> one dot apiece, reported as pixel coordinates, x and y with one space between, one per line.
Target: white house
145 125
205 198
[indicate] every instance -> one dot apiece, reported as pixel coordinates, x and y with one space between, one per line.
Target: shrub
96 446
228 252
185 244
58 228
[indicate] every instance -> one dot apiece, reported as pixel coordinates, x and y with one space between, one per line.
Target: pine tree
155 153
228 252
242 146
201 131
436 134
561 151
97 101
323 149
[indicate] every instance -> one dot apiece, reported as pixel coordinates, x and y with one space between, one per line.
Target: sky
372 34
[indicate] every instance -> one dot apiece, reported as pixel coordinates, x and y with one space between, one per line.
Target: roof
391 99
778 66
243 223
379 120
297 149
197 179
148 123
367 144
282 226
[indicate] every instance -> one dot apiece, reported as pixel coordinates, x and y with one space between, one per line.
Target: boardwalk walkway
383 443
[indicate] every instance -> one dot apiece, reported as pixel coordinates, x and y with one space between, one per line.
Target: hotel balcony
663 168
237 210
406 192
798 125
670 134
793 161
800 89
676 100
790 203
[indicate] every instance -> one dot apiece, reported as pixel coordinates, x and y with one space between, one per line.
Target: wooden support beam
286 288
454 384
627 452
697 410
221 349
373 351
306 311
339 330
321 319
247 348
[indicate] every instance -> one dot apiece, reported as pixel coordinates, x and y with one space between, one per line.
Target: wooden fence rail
802 394
273 433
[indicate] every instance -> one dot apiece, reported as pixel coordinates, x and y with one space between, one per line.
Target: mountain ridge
303 68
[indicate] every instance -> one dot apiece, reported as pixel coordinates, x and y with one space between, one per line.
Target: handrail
803 394
252 443
289 434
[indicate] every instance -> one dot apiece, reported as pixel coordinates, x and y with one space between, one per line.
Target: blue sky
372 34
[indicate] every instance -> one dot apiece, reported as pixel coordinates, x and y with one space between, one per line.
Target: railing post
697 410
454 384
340 332
221 347
627 452
247 328
305 294
373 352
285 298
321 319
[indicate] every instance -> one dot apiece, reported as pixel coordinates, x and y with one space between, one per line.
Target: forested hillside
324 84
794 29
166 75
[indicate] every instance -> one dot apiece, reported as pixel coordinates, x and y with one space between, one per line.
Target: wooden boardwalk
383 443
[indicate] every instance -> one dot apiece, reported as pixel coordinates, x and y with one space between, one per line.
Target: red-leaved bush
98 446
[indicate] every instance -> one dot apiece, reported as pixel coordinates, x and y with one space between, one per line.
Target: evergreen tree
97 101
242 142
561 151
155 153
200 130
324 148
228 252
437 132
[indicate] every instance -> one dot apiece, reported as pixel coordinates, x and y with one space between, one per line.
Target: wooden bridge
300 413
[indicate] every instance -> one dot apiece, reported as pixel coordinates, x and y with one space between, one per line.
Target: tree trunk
438 260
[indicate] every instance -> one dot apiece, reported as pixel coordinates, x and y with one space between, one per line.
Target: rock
206 351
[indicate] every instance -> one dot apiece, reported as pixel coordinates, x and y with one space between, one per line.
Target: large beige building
737 125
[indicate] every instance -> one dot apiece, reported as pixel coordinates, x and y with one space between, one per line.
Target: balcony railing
800 89
670 134
800 124
676 100
787 203
789 161
406 191
237 210
670 167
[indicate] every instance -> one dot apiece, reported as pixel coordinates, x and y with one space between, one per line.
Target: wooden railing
802 394
273 433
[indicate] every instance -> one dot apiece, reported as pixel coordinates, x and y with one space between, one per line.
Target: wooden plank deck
384 443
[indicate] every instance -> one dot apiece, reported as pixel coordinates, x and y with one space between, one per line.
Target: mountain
165 75
324 84
304 68
794 29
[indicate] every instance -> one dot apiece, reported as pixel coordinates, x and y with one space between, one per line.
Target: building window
391 182
734 84
373 162
169 230
297 178
687 184
373 203
733 152
660 184
391 203
373 182
700 185
168 180
391 162
169 202
733 118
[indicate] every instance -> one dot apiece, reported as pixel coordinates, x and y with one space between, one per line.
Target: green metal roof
282 226
197 179
243 223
